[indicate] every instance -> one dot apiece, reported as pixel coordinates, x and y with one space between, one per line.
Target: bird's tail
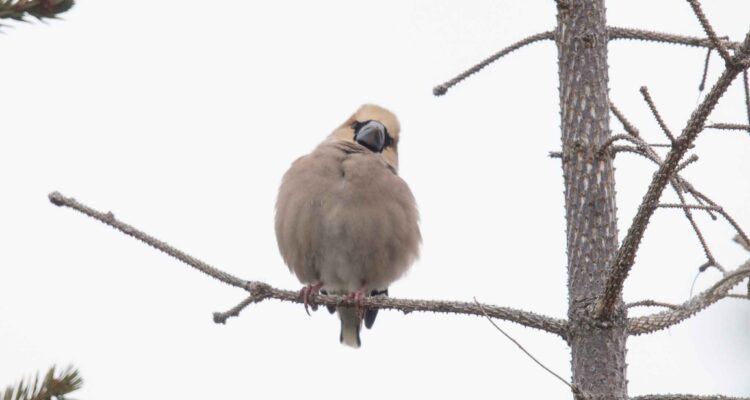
351 322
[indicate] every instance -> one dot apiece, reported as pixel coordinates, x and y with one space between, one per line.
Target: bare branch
710 31
711 261
655 112
652 36
572 388
440 90
613 33
651 303
712 207
222 317
693 158
260 291
746 83
625 256
665 319
678 183
689 206
742 242
739 296
629 128
687 397
737 127
705 70
109 219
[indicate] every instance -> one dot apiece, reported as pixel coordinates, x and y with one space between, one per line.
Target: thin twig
665 319
655 112
738 239
705 70
678 183
687 397
222 317
440 90
624 258
693 158
629 128
109 219
711 207
646 151
739 296
710 31
710 260
262 291
746 83
612 32
736 127
630 138
696 195
650 303
574 389
661 37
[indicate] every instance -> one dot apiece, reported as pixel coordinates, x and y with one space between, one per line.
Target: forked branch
665 319
710 30
625 256
613 33
260 291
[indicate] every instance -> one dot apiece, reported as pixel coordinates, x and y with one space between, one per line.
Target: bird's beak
372 136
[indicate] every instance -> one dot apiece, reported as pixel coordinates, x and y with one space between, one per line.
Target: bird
346 222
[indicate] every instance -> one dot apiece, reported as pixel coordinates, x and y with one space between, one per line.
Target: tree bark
597 347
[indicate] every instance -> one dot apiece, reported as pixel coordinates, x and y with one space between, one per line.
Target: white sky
182 116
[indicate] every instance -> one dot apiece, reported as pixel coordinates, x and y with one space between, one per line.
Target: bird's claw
357 298
306 292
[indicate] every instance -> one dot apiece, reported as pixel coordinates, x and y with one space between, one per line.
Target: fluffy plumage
345 219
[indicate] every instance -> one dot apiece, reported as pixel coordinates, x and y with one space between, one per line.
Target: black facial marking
372 134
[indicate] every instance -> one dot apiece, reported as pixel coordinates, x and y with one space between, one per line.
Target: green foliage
40 9
51 386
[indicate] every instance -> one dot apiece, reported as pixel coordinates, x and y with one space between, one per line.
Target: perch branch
625 256
665 319
260 291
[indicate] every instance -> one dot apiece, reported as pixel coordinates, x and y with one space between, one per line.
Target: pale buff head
372 112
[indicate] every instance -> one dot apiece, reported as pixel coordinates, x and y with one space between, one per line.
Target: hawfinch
346 223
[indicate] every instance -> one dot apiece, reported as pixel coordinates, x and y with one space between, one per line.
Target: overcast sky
182 116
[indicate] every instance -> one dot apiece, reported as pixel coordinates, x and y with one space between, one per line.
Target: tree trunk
597 347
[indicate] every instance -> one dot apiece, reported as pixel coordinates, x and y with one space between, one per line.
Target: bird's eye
388 139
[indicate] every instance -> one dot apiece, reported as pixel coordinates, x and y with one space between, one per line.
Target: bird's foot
306 292
357 298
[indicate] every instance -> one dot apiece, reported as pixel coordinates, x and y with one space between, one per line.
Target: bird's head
374 128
